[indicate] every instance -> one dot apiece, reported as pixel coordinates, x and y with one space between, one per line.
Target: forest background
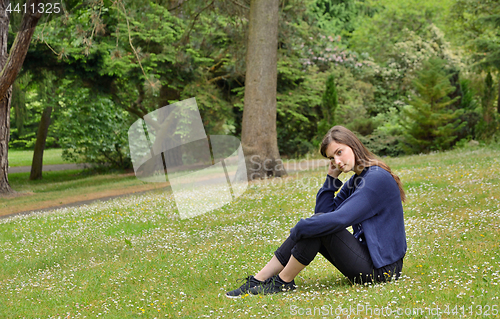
409 76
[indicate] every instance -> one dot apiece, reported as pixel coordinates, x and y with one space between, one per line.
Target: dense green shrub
383 144
364 126
472 111
92 128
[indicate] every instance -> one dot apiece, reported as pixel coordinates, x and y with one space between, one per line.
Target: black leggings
344 251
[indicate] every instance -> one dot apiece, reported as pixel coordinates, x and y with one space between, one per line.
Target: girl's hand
333 171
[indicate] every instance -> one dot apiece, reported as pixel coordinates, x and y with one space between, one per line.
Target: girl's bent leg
345 252
272 268
292 269
286 265
304 250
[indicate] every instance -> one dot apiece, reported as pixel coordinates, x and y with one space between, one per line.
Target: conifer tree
329 104
430 122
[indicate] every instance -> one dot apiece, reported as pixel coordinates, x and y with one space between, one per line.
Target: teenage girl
370 202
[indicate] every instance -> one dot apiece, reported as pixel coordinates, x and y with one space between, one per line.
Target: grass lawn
25 157
133 257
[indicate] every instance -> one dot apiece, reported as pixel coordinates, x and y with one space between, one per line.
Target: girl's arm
326 201
366 201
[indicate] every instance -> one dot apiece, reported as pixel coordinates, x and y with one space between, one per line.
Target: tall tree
10 64
258 135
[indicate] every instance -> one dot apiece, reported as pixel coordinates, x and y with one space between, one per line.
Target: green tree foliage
137 56
430 123
91 128
340 17
298 114
488 54
391 22
303 69
479 21
383 144
38 92
392 77
143 56
19 112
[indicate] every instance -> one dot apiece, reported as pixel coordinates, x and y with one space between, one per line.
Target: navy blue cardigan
371 203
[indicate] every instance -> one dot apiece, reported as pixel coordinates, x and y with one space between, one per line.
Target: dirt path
291 167
48 168
81 199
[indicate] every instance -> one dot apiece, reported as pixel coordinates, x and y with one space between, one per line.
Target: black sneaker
273 285
244 289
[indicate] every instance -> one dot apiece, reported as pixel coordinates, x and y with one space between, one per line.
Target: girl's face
342 156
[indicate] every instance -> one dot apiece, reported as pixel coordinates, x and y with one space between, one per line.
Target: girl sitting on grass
370 202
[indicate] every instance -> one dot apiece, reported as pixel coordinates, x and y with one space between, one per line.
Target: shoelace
247 279
272 279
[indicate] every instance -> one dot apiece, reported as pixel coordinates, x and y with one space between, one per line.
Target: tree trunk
10 64
4 143
258 135
4 103
41 138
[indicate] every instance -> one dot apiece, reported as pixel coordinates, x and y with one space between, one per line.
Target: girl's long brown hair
364 158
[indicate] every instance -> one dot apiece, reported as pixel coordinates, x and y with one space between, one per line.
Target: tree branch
222 77
19 48
130 40
216 66
240 4
135 112
196 18
177 6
